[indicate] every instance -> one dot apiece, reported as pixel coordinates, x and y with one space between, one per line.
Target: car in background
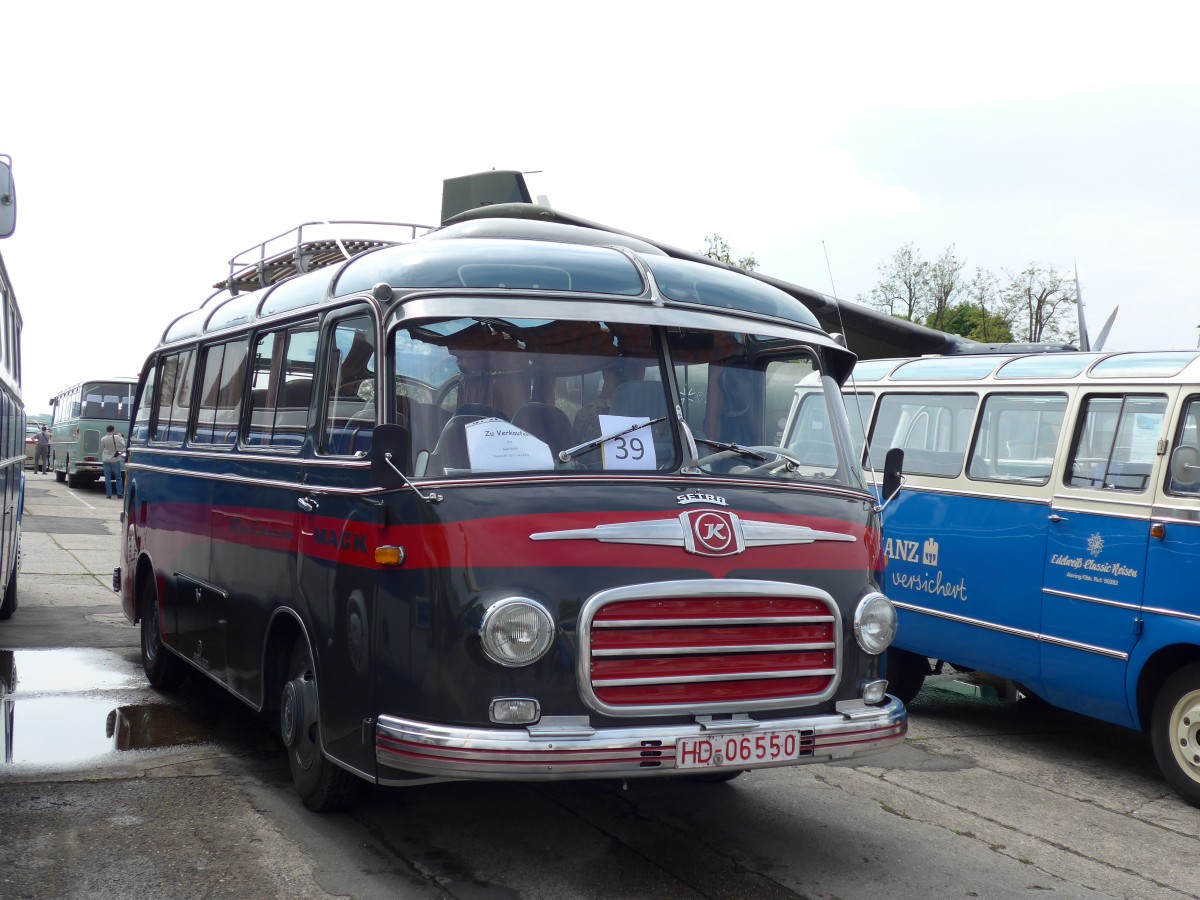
31 433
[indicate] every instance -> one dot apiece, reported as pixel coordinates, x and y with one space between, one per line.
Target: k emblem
713 532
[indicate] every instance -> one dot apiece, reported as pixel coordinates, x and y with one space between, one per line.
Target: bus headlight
875 623
516 631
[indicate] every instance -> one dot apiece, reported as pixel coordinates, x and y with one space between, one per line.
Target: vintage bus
1048 529
12 409
82 414
505 502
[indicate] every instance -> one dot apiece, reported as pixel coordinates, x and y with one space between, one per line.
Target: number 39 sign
634 450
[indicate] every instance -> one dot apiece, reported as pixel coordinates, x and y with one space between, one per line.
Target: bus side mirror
8 197
390 446
1185 466
893 474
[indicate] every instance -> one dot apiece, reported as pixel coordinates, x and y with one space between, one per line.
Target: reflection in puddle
53 714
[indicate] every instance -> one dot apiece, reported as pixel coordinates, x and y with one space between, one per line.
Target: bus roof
1155 365
523 259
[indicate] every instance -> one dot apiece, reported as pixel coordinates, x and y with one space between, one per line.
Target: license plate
733 750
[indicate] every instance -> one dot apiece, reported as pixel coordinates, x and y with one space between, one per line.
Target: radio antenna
862 425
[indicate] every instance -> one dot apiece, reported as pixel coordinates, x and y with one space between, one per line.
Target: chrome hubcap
1185 730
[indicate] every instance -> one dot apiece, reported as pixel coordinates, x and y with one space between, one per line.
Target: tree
718 249
903 289
1036 302
943 284
979 316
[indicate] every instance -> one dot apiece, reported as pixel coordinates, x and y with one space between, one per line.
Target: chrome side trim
1170 613
1087 598
447 752
1014 632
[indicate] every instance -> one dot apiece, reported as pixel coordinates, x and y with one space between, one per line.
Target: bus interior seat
639 398
545 422
450 452
296 393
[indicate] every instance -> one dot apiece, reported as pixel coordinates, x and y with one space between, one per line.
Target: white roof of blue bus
1149 364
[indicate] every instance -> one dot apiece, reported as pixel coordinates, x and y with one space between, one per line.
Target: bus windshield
494 396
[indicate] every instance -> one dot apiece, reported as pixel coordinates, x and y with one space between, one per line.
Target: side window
284 364
933 429
349 403
1116 442
1017 438
221 388
1184 477
141 419
174 398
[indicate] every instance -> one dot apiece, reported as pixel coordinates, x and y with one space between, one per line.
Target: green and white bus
82 414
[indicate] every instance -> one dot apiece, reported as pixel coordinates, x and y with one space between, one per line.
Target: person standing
112 451
41 454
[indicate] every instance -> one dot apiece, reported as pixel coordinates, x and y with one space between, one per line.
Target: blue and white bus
505 502
1048 529
12 409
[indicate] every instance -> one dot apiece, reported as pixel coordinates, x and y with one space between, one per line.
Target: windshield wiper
735 448
567 455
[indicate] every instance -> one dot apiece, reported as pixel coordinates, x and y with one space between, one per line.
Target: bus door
1095 571
337 534
1171 599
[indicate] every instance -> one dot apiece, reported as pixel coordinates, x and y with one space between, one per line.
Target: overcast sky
151 141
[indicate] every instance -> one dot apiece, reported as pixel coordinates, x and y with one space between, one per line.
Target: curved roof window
689 282
494 263
945 368
1144 365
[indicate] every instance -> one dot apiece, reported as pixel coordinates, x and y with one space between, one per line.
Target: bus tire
322 785
905 673
8 605
1175 732
60 476
164 670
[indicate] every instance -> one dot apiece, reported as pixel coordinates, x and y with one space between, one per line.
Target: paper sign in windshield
634 450
494 445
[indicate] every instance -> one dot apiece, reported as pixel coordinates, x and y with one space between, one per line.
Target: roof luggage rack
265 264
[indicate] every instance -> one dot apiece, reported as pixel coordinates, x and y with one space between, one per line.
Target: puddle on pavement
54 713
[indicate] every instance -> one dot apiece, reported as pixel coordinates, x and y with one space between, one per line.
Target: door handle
308 504
1055 517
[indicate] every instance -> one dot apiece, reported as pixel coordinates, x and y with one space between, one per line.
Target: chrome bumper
549 754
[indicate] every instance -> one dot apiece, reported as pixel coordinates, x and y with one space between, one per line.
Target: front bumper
410 748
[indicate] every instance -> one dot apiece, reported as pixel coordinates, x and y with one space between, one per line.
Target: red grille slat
739 635
669 667
684 652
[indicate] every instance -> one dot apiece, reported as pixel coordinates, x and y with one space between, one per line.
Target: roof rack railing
290 253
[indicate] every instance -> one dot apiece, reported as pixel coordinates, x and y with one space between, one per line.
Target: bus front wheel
322 785
905 673
164 670
1175 732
